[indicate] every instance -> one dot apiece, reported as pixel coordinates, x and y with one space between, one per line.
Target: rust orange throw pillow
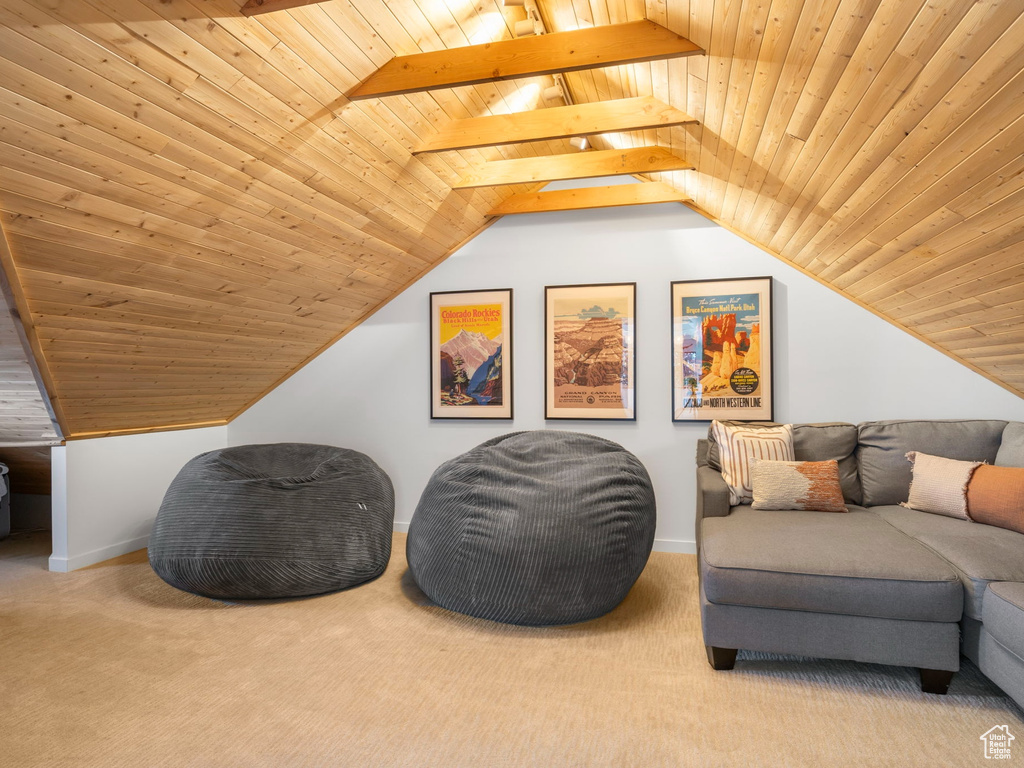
808 485
995 496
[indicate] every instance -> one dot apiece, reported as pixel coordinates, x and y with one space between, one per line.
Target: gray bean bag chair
276 520
534 528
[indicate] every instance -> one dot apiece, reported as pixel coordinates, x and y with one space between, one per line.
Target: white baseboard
65 564
675 545
660 545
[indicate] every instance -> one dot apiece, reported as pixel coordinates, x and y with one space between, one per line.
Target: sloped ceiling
193 208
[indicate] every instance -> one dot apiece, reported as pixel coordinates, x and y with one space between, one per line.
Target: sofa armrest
712 498
712 493
703 446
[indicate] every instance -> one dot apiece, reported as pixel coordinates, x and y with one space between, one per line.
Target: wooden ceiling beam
634 114
633 42
590 197
254 7
580 165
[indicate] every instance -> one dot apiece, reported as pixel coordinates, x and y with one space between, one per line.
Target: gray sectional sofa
881 583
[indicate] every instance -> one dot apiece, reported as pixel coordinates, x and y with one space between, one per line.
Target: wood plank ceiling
194 207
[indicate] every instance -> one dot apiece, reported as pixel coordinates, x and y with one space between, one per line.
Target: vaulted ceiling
192 207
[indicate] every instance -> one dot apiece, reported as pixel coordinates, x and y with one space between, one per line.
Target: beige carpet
111 667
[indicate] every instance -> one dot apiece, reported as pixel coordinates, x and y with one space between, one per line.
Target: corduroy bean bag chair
275 520
534 528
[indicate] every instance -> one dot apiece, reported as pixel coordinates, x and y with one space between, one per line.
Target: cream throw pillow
737 444
939 485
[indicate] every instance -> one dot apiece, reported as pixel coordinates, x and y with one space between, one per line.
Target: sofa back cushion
1011 448
832 441
882 447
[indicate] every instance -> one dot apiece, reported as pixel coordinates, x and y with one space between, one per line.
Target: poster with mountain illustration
721 350
470 355
590 334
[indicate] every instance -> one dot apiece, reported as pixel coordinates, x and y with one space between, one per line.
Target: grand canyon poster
471 354
590 335
722 349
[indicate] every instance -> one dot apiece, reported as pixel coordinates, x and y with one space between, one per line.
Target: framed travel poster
722 349
471 354
590 351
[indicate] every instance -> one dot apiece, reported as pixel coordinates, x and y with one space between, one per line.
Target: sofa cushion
1004 614
979 553
883 445
853 564
1011 448
1002 667
817 442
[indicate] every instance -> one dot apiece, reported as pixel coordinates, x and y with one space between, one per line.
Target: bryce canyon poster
721 350
590 345
470 355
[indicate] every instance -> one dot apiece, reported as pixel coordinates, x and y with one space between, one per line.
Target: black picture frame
713 373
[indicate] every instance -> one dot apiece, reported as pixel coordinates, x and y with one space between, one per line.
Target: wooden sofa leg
721 658
935 681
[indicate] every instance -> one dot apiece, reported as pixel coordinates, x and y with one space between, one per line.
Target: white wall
106 491
59 508
833 360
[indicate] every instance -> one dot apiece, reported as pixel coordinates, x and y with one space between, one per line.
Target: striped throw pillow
737 444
